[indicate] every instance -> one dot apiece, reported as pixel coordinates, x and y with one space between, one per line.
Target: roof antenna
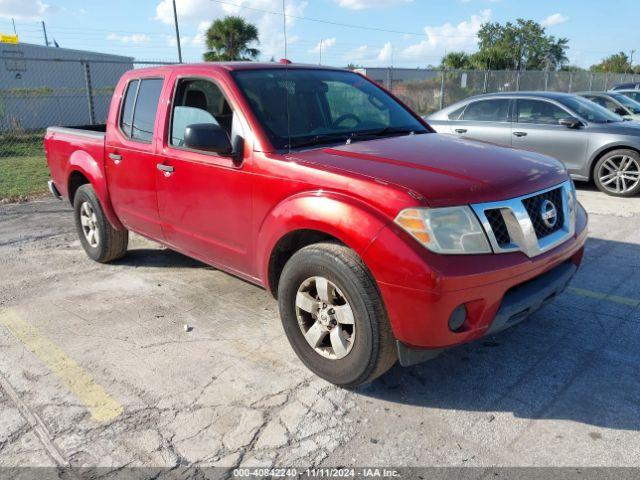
286 75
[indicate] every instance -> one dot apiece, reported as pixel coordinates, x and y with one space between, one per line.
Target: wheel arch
82 169
307 219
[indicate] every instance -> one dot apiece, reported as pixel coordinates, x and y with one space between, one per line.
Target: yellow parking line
631 302
101 405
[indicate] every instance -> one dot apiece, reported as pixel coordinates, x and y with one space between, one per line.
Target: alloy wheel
619 174
89 222
325 318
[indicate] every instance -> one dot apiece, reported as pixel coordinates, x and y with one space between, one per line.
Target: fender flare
352 222
82 162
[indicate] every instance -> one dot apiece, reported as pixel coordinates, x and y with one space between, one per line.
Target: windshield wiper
321 139
383 132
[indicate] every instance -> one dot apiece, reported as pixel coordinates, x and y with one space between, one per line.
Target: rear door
536 128
487 120
130 161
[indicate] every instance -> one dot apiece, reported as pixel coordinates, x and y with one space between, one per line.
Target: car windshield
627 102
590 111
324 106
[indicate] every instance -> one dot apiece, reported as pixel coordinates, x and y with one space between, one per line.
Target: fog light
457 318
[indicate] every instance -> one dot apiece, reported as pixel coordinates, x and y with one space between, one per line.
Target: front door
487 120
130 162
536 128
204 198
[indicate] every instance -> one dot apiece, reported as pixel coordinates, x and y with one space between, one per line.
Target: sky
399 33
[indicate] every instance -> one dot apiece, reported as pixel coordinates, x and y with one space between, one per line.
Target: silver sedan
592 142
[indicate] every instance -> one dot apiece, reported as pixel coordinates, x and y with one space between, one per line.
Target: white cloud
362 4
448 38
325 44
371 55
200 14
23 9
555 19
133 38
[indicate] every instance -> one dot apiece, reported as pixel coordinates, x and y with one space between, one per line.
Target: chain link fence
427 91
38 92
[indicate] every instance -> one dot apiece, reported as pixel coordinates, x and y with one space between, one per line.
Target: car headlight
450 230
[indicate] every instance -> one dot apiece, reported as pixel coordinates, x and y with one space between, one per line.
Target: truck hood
445 170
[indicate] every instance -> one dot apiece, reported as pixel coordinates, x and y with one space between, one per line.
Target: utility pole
44 30
175 19
320 61
15 32
631 60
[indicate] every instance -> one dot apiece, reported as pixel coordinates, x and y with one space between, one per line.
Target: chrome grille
518 224
498 227
533 206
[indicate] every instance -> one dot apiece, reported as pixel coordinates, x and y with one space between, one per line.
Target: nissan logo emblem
549 214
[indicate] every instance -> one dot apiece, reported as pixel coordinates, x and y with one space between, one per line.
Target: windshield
325 106
590 111
627 102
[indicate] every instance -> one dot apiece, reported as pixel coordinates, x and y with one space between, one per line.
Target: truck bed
98 130
63 147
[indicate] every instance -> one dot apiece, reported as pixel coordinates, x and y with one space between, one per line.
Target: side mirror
208 137
622 112
570 122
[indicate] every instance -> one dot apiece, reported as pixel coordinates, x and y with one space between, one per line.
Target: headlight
451 230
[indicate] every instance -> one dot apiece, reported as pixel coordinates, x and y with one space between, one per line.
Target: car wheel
333 315
100 240
618 173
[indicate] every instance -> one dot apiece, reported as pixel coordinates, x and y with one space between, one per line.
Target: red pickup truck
381 239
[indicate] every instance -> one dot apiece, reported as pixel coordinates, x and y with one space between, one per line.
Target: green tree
523 45
456 61
616 63
229 39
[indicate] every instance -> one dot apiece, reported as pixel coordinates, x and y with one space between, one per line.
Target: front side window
603 102
627 102
539 112
199 101
306 107
496 110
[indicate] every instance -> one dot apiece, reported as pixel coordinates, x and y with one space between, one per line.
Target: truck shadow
159 258
576 359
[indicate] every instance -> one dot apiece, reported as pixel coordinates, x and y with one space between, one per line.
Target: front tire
618 173
100 240
333 315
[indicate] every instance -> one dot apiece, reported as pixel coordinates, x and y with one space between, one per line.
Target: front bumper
518 304
421 290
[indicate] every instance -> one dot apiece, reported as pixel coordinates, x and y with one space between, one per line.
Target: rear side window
144 115
496 110
126 118
139 109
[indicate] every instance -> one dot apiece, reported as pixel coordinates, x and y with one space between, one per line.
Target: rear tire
618 173
100 240
365 345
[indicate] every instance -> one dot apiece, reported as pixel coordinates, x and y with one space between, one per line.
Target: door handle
116 158
460 130
167 169
520 134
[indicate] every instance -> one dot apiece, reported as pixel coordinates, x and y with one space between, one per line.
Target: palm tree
228 39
